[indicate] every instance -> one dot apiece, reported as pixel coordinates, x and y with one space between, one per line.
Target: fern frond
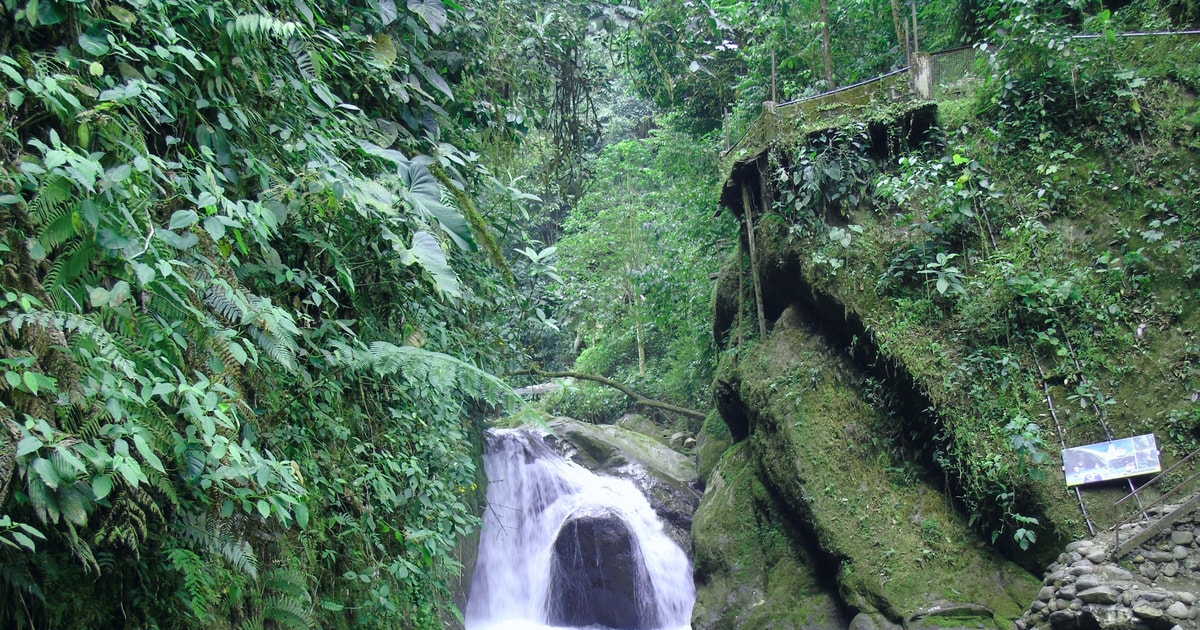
288 612
21 579
218 537
260 26
304 59
51 201
417 364
63 281
199 584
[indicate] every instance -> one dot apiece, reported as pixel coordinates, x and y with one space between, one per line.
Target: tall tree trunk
900 36
825 44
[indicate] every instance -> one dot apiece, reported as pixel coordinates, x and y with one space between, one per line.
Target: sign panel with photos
1117 459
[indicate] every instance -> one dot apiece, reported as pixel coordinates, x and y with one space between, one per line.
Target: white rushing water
532 493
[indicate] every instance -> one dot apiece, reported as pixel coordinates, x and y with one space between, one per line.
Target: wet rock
1064 620
1149 570
1179 610
1147 612
1152 595
1182 537
1100 595
596 576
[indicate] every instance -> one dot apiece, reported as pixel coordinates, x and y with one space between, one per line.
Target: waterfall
563 547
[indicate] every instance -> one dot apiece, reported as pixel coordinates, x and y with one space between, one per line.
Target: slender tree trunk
825 44
632 264
900 36
758 301
741 294
916 47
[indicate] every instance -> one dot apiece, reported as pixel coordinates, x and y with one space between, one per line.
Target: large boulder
597 576
666 477
896 547
754 569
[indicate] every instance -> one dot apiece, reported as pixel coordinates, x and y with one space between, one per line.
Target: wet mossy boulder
753 568
902 548
666 477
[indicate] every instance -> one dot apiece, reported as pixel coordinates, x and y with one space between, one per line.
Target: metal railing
1158 525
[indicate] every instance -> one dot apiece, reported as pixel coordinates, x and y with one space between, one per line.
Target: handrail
758 121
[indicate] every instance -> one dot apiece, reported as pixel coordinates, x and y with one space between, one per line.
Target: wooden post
758 301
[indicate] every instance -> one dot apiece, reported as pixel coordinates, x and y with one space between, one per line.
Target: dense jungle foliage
263 262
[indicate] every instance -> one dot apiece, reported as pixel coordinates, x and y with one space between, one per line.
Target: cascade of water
563 547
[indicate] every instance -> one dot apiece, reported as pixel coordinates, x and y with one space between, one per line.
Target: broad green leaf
388 11
180 242
15 98
434 79
215 228
74 506
49 13
99 297
122 15
183 219
37 382
264 508
238 352
427 252
28 444
432 11
384 51
14 379
301 512
145 273
101 486
95 42
46 471
25 541
147 453
422 192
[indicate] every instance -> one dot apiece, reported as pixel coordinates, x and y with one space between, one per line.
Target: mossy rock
713 441
666 477
902 545
750 570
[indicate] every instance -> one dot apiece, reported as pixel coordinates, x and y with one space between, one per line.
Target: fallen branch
624 389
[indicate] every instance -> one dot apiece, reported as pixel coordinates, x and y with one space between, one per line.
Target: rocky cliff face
853 533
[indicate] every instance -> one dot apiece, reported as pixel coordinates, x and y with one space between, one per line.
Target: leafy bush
588 402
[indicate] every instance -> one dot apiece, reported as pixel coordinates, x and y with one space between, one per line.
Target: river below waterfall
562 547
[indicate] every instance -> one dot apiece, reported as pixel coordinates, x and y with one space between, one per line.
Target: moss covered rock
753 569
901 547
667 478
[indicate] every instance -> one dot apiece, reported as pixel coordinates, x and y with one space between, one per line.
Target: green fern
289 604
199 582
271 327
386 359
218 537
